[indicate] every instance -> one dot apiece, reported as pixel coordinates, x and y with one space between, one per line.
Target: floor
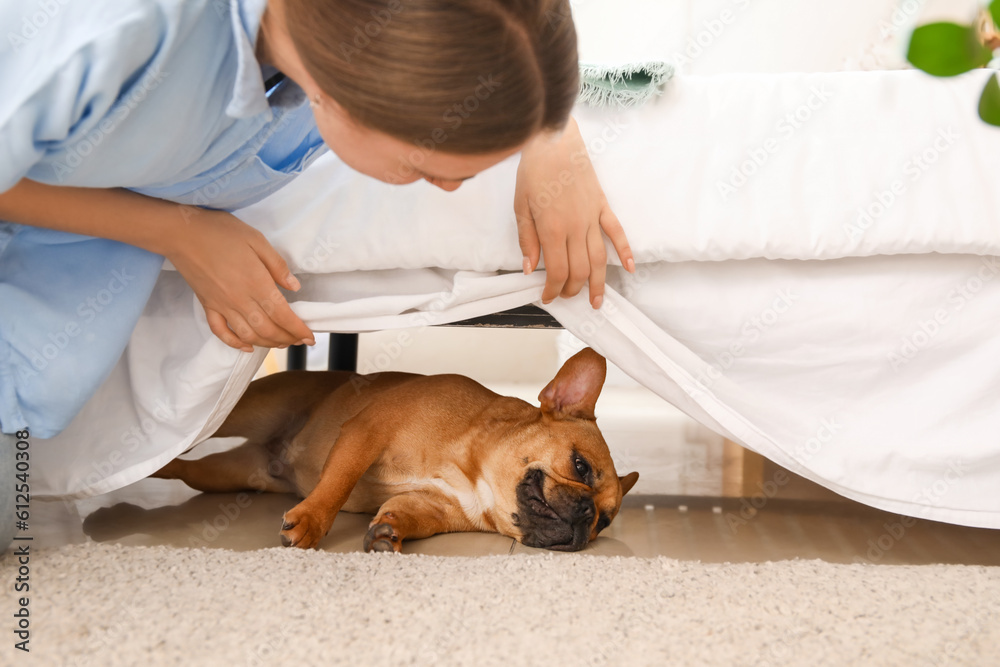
681 508
166 512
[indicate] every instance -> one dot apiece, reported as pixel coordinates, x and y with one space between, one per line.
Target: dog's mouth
534 495
541 525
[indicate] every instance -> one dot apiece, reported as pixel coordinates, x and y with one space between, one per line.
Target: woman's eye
581 467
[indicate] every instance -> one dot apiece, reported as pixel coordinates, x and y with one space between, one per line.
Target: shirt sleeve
61 77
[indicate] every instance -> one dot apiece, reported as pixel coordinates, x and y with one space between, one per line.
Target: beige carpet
113 605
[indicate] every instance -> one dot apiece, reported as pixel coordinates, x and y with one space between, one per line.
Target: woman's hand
233 270
561 211
230 266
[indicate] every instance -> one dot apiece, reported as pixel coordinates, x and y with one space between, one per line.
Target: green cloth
622 86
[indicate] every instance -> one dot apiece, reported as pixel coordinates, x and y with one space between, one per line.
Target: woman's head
450 78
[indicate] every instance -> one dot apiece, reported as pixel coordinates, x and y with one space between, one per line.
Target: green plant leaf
995 11
947 49
989 102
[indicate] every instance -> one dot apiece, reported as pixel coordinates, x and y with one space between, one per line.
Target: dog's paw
382 537
303 528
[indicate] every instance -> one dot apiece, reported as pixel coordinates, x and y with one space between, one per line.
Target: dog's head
564 487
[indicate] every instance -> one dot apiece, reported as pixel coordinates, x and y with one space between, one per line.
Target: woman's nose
447 186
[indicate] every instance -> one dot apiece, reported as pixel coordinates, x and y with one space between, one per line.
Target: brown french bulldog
426 454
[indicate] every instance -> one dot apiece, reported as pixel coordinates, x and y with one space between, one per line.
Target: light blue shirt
164 97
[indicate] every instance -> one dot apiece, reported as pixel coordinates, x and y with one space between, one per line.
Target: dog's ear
574 391
628 481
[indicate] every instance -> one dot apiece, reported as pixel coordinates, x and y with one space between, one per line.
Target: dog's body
425 454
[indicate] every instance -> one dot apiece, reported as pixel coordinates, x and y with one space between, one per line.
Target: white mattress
860 355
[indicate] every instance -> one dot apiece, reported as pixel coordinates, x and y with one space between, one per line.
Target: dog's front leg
414 515
359 445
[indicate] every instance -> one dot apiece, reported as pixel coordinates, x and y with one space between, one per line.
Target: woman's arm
230 266
561 212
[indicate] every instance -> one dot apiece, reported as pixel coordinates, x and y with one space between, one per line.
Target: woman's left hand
561 211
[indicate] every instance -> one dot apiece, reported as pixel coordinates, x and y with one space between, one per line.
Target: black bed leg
343 352
296 360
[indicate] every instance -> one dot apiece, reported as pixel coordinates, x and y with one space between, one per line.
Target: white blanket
874 373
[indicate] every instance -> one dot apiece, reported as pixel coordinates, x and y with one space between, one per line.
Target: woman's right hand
229 264
234 272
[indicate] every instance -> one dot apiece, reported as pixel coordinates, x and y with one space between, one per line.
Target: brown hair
468 76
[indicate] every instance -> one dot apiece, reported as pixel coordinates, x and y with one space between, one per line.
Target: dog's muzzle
562 521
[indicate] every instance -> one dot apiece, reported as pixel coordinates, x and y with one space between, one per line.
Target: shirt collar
248 91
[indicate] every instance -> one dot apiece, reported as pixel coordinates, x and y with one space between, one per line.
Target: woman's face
392 160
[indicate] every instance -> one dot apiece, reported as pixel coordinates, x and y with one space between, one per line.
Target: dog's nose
583 510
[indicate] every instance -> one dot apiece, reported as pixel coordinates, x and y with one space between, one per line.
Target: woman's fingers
241 327
613 228
217 323
233 270
283 316
527 237
598 265
556 266
281 324
275 264
265 332
579 265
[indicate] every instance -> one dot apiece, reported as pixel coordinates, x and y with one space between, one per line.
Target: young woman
129 127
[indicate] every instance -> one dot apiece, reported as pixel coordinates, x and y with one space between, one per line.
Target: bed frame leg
296 360
343 354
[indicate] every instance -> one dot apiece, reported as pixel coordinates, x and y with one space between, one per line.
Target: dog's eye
582 467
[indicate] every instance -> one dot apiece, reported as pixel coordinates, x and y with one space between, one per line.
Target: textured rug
112 605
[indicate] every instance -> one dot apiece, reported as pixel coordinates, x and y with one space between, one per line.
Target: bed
816 259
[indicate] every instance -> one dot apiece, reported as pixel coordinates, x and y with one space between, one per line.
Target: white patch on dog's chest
475 501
